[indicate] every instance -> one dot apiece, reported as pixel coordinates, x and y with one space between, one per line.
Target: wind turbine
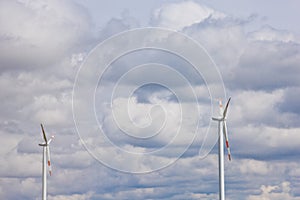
46 160
222 127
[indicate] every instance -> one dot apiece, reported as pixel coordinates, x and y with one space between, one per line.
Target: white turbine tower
46 160
222 127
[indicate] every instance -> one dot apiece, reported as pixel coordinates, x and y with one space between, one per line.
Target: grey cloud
267 66
265 59
39 33
263 133
117 25
290 101
140 57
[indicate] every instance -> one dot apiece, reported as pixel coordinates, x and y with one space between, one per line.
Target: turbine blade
44 134
221 107
226 139
48 160
49 141
226 107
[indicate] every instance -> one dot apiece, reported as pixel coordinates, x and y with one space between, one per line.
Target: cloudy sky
137 125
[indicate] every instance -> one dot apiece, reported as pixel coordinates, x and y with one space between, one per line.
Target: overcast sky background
256 46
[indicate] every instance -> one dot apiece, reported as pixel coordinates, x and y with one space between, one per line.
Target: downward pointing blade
226 107
226 139
48 160
44 134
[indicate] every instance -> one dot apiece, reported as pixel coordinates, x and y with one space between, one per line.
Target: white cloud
274 192
85 196
255 167
52 110
255 106
179 15
132 117
117 25
224 39
261 69
16 164
16 188
37 33
34 97
270 34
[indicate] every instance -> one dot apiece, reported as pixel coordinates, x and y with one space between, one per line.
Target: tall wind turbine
46 160
222 128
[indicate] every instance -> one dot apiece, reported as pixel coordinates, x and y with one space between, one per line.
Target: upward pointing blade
44 134
226 107
48 160
226 139
221 107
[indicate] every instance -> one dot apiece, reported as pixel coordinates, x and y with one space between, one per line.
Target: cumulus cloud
274 192
40 52
117 25
39 33
86 196
290 100
22 188
179 15
274 67
35 98
271 34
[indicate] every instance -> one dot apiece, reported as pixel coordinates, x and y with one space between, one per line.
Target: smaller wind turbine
222 127
46 160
